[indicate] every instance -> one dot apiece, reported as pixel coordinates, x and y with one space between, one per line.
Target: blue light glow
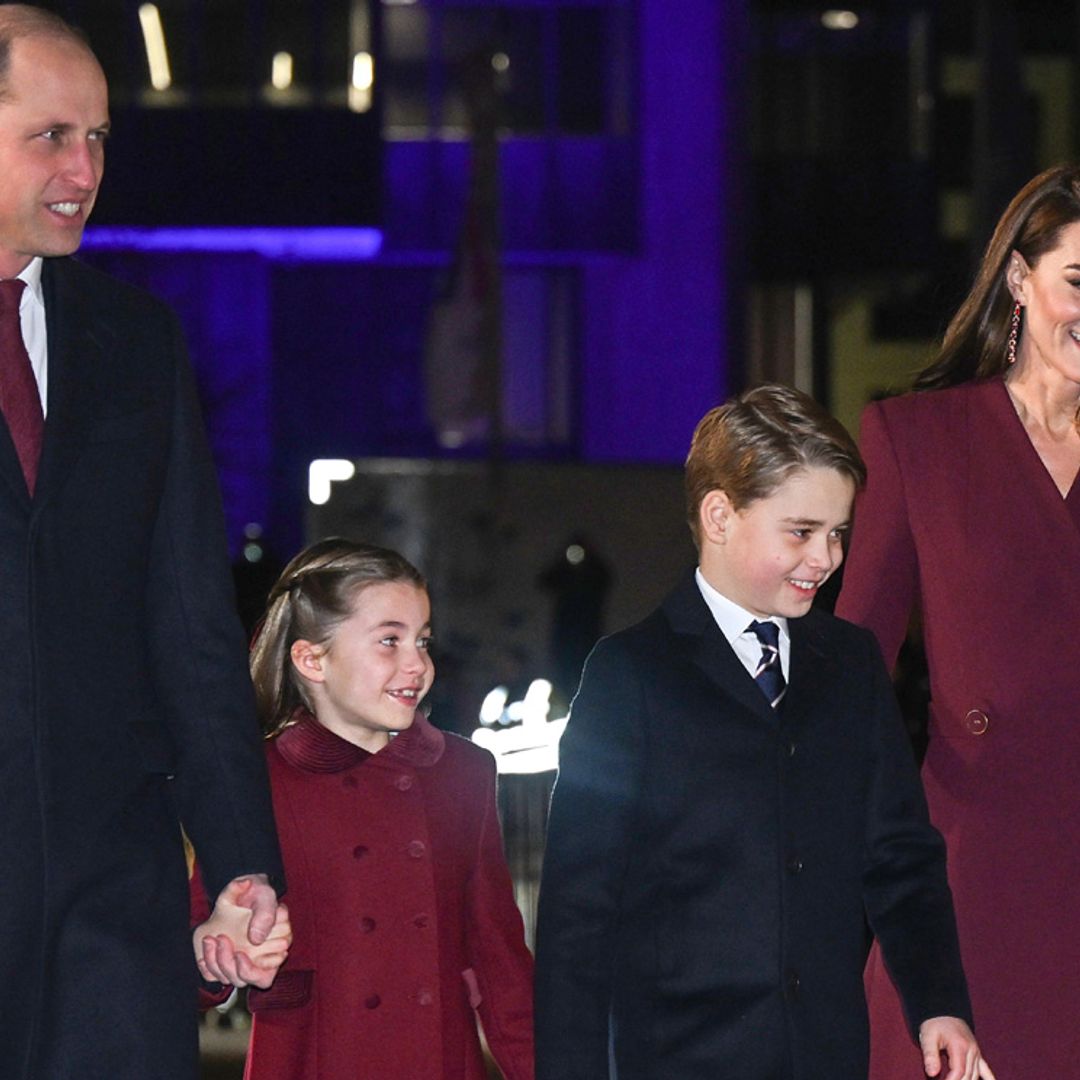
298 244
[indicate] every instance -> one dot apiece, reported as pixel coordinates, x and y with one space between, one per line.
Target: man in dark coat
126 701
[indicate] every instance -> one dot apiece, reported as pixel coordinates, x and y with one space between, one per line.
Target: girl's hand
223 951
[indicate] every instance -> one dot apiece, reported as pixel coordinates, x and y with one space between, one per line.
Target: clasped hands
247 936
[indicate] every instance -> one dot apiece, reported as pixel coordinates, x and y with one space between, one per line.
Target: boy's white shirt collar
734 622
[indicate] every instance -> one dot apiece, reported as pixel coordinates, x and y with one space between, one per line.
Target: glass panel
584 64
404 62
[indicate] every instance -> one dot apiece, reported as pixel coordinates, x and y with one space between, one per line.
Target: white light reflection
836 19
281 71
363 79
531 743
491 710
157 56
323 472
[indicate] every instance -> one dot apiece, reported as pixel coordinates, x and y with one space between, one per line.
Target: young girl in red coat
402 909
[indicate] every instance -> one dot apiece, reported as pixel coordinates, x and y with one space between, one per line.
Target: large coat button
976 722
416 849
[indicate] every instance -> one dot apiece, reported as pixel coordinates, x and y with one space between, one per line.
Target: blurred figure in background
579 580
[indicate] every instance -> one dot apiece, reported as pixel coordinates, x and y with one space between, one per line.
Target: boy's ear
714 515
307 658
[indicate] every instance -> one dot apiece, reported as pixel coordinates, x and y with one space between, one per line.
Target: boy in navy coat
737 800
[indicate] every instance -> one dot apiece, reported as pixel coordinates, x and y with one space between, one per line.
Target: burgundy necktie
19 397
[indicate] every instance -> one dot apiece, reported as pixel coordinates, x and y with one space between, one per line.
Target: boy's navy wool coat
711 863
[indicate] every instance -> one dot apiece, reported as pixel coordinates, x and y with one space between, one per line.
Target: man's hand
247 936
951 1036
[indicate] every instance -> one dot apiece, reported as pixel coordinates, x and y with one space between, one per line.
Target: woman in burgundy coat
972 511
402 908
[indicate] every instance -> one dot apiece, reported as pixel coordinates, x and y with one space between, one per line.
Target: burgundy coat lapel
1020 483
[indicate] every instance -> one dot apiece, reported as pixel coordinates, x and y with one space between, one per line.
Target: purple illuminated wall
655 326
222 300
308 351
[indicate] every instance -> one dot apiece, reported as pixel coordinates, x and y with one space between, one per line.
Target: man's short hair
750 445
24 20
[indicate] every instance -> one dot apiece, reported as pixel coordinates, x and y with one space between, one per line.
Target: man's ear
714 516
1016 272
307 658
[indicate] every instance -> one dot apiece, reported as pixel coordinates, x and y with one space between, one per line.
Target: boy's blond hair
750 445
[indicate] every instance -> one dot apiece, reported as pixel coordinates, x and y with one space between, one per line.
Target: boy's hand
951 1036
222 947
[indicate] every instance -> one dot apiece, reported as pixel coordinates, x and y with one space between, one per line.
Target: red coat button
425 997
976 722
367 924
372 1001
359 851
416 849
403 783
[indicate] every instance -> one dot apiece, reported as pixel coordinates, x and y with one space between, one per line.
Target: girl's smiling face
368 679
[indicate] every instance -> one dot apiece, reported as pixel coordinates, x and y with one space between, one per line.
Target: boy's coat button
976 722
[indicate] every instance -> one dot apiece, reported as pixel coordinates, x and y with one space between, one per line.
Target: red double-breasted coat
405 926
960 516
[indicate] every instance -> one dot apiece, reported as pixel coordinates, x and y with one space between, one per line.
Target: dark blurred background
486 262
553 230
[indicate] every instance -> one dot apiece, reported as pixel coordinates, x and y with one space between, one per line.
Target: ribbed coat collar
307 745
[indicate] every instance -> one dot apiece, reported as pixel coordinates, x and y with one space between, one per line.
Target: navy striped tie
769 675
